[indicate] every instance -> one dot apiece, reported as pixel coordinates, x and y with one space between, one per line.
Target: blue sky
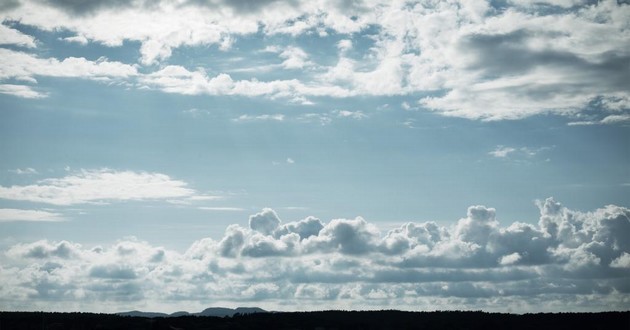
193 142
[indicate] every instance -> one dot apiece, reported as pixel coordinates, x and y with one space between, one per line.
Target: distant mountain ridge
212 311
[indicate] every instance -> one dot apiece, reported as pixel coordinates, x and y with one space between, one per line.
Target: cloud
266 117
469 59
567 260
45 250
294 57
515 70
99 186
608 120
344 45
19 65
83 7
350 114
77 39
177 79
504 152
622 262
264 222
26 67
26 170
23 91
9 36
501 151
7 215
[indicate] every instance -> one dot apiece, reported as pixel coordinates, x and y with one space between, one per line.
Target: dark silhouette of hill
212 311
321 320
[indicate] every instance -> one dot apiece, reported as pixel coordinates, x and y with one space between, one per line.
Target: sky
305 155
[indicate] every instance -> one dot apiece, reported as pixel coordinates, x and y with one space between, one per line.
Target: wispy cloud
350 114
99 186
26 170
9 215
265 117
608 120
501 151
522 152
220 208
23 91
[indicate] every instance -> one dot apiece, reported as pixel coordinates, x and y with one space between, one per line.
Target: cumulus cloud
567 260
294 57
99 186
264 222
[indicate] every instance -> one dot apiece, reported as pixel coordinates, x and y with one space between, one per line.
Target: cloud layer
471 59
101 186
569 260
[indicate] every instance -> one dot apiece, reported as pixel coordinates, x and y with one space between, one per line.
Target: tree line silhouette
385 319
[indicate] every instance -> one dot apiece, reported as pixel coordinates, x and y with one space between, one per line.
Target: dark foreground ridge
320 320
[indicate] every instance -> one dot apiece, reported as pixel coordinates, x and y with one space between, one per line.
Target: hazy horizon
415 155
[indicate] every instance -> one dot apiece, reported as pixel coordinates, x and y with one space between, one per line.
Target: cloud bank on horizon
570 260
470 59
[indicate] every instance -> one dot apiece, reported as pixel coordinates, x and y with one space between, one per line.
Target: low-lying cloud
568 260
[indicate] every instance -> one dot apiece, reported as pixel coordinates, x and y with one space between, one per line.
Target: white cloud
290 161
569 260
7 215
23 66
501 151
344 45
617 119
19 64
9 36
26 170
99 186
294 57
622 262
266 117
77 39
518 154
23 91
463 59
510 259
350 114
